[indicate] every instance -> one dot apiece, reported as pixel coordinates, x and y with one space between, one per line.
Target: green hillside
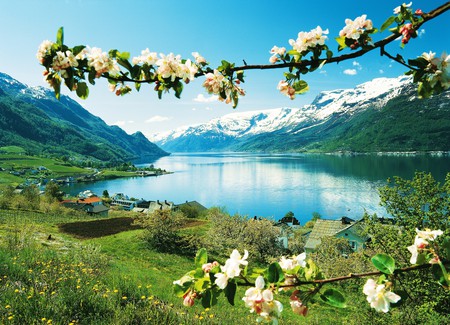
36 121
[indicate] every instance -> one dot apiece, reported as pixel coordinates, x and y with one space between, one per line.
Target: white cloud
208 108
202 99
194 109
421 32
356 64
122 123
381 71
350 72
158 118
119 123
323 72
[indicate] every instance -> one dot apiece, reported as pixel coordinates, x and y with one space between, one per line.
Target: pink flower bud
189 297
207 267
434 260
418 12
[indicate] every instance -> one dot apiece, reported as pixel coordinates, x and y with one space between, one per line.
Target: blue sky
231 30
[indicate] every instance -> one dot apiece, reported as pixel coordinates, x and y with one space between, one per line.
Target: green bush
259 237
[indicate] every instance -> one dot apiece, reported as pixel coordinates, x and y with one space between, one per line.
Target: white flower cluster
44 50
290 263
308 40
354 28
101 62
261 302
439 68
231 269
170 66
216 83
286 89
421 242
378 296
397 10
277 53
64 60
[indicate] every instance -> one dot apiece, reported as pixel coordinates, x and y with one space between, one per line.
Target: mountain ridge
322 125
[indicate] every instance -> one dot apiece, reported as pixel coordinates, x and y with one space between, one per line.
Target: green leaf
60 36
82 90
341 41
77 49
178 290
201 258
438 275
207 299
312 271
334 298
384 263
446 247
300 87
275 273
230 292
387 23
201 284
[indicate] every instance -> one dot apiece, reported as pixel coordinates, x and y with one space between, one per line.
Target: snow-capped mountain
297 129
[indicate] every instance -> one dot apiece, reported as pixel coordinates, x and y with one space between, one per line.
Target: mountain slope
380 115
32 118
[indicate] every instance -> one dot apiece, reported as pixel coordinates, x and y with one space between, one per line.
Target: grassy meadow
58 269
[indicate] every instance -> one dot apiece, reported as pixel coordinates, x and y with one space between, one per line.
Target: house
163 205
119 199
91 208
93 200
191 209
342 228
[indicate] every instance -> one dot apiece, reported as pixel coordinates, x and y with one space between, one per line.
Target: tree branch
380 44
362 275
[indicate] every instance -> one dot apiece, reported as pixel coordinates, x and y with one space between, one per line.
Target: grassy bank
84 274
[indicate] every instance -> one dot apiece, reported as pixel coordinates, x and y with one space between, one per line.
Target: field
63 270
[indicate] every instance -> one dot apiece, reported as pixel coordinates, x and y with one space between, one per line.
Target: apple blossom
419 243
354 29
428 234
397 10
64 60
44 50
379 298
262 303
189 298
286 89
198 57
289 264
438 67
407 31
231 268
297 305
277 52
101 62
213 82
308 40
146 57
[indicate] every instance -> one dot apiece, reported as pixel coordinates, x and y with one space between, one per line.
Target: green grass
111 279
17 161
12 149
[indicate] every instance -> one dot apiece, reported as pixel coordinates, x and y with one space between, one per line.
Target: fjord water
271 185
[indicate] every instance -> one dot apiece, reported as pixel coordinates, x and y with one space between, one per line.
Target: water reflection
271 185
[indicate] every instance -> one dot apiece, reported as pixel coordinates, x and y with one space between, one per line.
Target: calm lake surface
271 185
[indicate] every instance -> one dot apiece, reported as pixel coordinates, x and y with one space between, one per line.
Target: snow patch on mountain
374 93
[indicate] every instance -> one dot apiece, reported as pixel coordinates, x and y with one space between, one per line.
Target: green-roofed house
342 228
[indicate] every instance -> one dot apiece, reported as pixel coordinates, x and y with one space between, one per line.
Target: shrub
259 237
162 230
